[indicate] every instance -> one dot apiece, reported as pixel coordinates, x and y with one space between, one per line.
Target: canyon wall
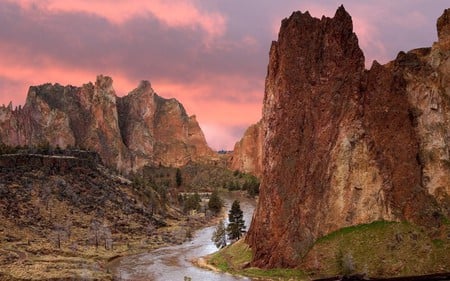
128 132
344 145
247 153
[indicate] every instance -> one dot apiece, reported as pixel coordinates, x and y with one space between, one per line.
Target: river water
174 263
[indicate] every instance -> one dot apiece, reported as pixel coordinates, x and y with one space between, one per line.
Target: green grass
369 227
236 257
232 257
380 249
438 243
276 273
377 249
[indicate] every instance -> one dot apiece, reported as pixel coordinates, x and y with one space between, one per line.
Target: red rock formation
247 153
128 133
343 145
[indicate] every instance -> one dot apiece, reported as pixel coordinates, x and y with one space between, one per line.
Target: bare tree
45 195
107 236
219 235
68 228
95 232
59 234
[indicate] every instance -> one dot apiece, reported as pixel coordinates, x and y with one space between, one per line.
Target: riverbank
235 259
39 259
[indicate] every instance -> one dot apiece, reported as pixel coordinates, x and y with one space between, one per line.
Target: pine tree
236 223
178 178
215 203
219 235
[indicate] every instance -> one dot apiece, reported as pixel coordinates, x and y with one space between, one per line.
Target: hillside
63 214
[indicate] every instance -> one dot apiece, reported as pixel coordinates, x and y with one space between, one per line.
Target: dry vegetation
60 221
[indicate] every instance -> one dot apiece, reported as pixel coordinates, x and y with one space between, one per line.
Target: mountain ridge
128 132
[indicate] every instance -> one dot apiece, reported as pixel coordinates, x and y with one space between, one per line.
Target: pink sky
210 55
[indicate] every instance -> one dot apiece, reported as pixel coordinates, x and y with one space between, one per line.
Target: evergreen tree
219 235
236 223
252 186
178 178
192 202
215 203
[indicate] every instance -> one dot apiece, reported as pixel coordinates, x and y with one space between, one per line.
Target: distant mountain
128 132
247 153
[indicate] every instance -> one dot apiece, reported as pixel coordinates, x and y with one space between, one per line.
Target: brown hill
128 132
62 214
344 145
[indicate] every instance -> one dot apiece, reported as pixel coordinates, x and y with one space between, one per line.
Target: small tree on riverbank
236 225
219 235
178 178
215 203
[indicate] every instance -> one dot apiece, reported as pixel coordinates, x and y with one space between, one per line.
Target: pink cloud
370 41
175 13
22 72
218 137
219 104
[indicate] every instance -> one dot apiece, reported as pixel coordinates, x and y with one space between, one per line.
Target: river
173 263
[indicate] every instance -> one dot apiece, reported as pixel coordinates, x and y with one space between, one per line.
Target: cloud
223 137
218 83
175 13
210 55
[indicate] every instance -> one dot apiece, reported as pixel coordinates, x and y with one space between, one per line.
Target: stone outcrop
344 145
128 132
247 153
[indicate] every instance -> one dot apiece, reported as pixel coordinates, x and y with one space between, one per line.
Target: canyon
338 146
344 145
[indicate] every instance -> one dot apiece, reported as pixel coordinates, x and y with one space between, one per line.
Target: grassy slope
236 257
378 249
381 249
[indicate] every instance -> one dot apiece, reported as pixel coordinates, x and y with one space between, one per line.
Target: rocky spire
342 145
443 25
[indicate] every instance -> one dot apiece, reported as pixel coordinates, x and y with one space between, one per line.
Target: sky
211 55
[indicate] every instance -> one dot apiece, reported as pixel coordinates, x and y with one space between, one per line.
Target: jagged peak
443 25
342 15
103 81
144 88
144 84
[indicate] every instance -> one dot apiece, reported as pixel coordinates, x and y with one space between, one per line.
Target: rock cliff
247 153
128 132
344 145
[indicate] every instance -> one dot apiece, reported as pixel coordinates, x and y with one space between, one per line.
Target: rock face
344 145
128 133
247 153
